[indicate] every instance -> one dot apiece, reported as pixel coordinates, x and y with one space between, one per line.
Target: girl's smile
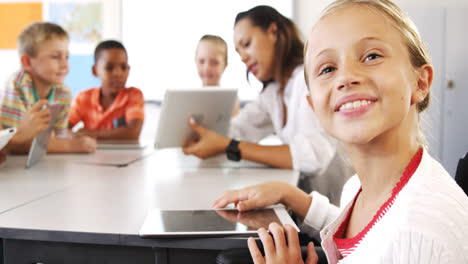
355 105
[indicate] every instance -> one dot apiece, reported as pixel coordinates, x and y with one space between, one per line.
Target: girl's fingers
225 199
267 242
312 257
278 235
234 196
255 252
293 240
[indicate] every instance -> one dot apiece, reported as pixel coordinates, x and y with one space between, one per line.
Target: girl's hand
207 144
276 248
257 196
253 219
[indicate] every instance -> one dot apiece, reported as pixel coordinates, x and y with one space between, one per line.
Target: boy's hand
208 144
2 156
86 144
277 249
34 121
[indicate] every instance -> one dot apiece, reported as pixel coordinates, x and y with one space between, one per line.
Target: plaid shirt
18 97
128 105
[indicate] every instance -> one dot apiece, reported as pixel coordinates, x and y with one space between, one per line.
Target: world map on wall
82 21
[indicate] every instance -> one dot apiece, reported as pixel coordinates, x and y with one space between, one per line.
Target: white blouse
427 223
312 149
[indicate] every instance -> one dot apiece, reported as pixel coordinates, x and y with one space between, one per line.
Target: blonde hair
418 52
34 35
217 41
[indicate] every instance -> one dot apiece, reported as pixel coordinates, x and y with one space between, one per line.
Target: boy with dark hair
111 111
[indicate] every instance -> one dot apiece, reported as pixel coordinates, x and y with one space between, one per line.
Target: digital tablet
164 223
211 107
6 135
40 142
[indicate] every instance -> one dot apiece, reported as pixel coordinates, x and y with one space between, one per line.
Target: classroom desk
67 210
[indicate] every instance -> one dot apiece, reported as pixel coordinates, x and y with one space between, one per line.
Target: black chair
461 176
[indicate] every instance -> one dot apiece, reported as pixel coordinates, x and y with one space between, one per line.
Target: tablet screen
206 222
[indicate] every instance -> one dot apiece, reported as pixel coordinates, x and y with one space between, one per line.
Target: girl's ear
425 75
25 60
272 31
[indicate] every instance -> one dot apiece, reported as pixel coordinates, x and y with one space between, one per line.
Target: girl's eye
246 44
327 70
372 56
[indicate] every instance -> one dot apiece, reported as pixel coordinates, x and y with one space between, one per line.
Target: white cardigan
312 150
428 222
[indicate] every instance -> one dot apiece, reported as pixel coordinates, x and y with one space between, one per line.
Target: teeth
355 104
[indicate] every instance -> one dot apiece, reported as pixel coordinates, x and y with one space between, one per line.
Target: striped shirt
18 97
128 105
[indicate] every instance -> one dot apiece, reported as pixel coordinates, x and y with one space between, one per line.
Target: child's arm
211 143
82 144
33 122
131 131
266 194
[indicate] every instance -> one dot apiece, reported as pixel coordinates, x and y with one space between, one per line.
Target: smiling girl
369 76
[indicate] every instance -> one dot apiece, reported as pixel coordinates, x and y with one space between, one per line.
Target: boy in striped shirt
43 49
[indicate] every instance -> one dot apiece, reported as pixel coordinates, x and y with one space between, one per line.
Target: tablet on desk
40 142
211 107
165 223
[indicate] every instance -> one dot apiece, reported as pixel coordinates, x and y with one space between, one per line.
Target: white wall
111 29
308 11
161 39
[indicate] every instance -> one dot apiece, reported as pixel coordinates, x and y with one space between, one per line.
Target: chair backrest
461 176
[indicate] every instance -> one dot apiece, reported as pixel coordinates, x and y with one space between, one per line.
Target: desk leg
160 256
1 251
